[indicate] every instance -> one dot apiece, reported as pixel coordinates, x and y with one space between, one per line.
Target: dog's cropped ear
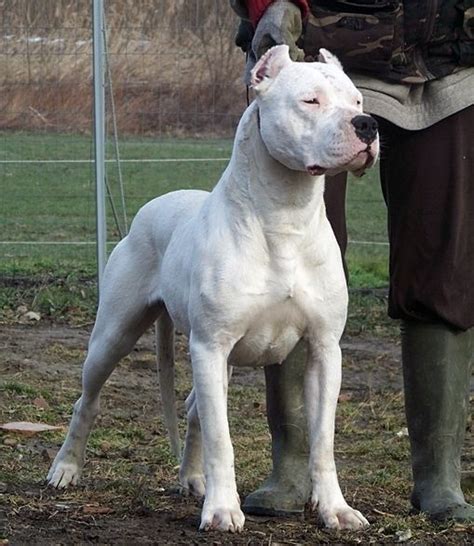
268 67
327 57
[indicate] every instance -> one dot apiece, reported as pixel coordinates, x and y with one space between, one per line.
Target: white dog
245 271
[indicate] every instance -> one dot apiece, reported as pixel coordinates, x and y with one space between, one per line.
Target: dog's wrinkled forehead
317 78
277 77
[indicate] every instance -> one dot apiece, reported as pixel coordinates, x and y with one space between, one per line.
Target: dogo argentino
245 271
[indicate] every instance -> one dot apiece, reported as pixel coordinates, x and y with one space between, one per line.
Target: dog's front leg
322 386
221 508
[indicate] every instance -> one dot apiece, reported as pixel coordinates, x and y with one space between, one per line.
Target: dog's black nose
365 128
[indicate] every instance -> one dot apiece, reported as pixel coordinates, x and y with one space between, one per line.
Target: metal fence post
99 135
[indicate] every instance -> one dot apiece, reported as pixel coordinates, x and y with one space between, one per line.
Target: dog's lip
370 157
316 170
369 161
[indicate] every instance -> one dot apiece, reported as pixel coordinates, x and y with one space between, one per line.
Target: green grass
366 221
56 202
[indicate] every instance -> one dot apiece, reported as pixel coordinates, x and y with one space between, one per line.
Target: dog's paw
63 473
332 508
342 517
192 484
223 517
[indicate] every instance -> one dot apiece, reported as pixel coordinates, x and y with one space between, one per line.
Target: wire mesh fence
174 95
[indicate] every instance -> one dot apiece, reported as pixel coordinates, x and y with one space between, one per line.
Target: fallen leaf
41 403
460 528
94 509
63 506
382 513
402 433
31 315
403 536
49 454
105 446
25 427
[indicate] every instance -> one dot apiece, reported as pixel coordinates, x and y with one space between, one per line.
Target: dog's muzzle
365 128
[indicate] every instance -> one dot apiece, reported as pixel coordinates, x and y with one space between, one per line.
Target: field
55 203
128 494
178 93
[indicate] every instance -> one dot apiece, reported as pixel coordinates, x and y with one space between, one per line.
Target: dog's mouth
369 161
358 164
316 170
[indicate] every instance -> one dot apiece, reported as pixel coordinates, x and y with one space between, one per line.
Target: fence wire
178 93
177 96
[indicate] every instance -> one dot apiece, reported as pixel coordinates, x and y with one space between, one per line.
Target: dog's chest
270 336
277 321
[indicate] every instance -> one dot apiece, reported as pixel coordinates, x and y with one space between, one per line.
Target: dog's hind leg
165 361
191 471
124 314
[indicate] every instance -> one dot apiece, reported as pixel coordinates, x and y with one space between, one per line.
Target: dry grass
174 67
128 494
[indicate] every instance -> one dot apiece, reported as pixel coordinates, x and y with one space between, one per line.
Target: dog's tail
165 356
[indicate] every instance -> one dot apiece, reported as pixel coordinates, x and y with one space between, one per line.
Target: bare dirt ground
128 492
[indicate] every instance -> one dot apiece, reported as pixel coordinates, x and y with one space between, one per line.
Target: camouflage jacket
404 41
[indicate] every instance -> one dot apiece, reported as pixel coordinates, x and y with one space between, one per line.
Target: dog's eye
359 102
312 101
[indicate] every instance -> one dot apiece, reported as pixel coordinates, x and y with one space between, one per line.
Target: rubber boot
437 370
288 487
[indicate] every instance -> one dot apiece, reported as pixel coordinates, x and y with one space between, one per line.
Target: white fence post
99 135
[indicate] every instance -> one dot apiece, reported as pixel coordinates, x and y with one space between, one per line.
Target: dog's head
311 116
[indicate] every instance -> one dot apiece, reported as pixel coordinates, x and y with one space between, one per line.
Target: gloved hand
244 36
280 24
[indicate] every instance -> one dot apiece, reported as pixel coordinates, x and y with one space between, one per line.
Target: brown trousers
427 179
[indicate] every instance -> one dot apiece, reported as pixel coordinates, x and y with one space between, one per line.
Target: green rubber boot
437 370
288 487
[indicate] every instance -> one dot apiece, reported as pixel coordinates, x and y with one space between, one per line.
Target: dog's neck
284 200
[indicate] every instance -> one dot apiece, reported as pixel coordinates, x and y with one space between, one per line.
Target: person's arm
273 22
257 8
280 23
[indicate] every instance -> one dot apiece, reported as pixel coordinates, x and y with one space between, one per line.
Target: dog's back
156 221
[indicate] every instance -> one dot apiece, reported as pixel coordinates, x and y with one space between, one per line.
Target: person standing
414 64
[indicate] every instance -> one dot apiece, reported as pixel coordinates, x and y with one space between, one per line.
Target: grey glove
280 24
244 36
